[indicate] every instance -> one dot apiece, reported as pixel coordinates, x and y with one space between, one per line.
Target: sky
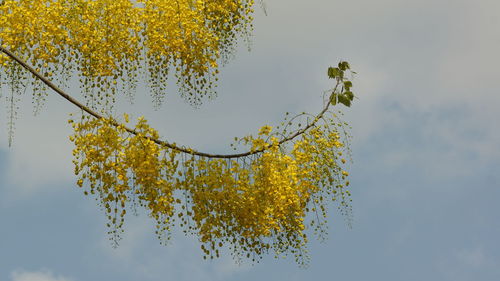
425 177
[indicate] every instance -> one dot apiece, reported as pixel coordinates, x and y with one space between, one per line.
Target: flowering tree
255 201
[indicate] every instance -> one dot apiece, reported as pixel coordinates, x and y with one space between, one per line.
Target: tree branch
157 141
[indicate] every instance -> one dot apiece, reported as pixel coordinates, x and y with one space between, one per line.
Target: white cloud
467 263
41 152
139 231
474 258
227 267
42 275
182 257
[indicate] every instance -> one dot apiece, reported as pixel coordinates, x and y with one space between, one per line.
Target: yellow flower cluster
119 166
253 205
110 42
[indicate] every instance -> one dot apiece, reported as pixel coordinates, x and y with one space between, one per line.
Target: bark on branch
157 141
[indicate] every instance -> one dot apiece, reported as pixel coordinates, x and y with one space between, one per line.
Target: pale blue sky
426 151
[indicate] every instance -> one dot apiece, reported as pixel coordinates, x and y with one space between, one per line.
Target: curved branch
157 141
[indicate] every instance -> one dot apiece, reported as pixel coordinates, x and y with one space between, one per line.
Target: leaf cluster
345 96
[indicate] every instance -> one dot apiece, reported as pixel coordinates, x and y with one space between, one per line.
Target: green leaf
344 100
349 95
333 99
333 72
343 65
347 84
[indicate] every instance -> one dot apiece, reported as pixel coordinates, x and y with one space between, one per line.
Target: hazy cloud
181 257
42 275
41 152
424 126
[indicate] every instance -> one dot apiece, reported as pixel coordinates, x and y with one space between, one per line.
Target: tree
254 201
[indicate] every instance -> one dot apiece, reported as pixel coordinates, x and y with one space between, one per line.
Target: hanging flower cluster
110 42
252 204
